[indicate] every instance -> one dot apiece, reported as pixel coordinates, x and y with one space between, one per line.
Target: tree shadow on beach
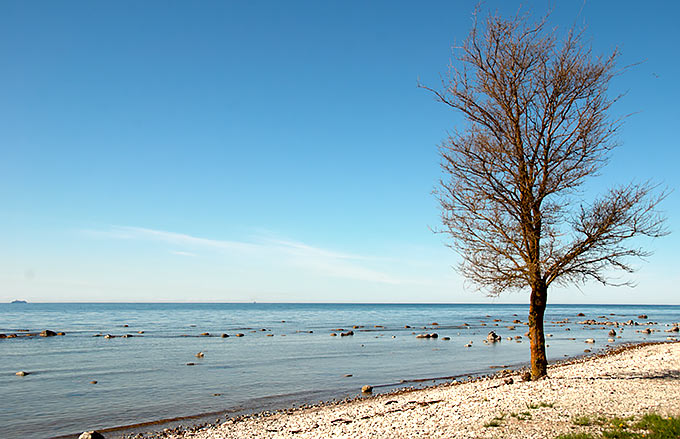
666 374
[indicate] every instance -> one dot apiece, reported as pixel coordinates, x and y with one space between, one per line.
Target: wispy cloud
295 253
180 253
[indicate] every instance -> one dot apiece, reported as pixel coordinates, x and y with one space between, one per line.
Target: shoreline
642 378
203 428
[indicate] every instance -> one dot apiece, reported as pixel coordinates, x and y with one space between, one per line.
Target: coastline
626 380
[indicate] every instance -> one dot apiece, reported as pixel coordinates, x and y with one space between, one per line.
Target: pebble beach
628 381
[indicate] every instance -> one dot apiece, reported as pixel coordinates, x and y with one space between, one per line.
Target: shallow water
146 377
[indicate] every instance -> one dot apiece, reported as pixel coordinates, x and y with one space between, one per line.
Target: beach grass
650 426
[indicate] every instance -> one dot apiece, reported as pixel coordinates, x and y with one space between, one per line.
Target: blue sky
273 151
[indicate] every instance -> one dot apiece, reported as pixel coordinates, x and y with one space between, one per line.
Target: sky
276 151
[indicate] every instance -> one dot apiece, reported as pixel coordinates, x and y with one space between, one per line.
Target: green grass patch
533 406
496 421
522 416
582 420
651 426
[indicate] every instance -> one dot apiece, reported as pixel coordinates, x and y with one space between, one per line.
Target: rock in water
612 333
590 340
200 355
48 333
493 337
21 373
91 435
367 389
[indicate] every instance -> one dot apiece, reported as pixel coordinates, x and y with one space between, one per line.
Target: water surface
146 377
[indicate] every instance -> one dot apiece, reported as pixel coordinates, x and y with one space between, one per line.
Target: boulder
493 337
333 334
367 389
200 355
48 333
21 373
642 316
240 334
612 333
224 335
92 434
580 315
346 334
590 340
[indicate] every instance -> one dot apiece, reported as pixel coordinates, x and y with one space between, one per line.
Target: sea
286 356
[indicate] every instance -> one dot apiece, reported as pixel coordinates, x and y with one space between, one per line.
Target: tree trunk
538 301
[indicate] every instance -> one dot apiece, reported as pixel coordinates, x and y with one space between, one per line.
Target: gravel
629 382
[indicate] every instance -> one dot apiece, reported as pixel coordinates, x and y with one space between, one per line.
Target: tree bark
538 301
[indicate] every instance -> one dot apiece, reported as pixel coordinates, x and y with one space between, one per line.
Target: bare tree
537 117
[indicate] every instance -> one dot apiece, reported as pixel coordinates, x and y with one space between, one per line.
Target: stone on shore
92 434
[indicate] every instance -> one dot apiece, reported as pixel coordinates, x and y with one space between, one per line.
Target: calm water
146 377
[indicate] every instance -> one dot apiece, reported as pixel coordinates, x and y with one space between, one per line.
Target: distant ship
18 301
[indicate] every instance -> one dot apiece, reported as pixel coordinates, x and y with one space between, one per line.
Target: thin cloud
298 254
180 253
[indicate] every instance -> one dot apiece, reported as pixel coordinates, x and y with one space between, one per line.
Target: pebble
92 434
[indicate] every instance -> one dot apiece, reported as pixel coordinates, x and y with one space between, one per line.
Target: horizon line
340 303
